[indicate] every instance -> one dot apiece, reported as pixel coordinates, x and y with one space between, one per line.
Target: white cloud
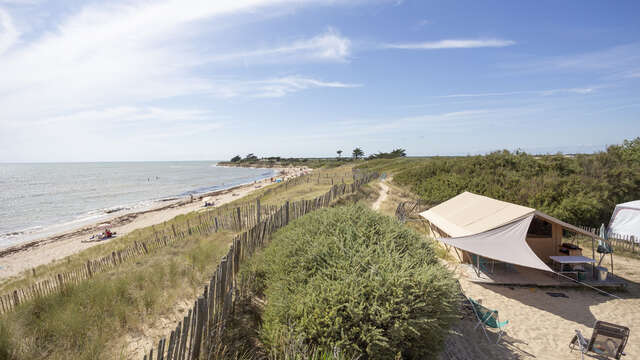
451 44
282 86
329 46
270 87
614 63
8 32
124 115
463 121
107 67
581 91
107 56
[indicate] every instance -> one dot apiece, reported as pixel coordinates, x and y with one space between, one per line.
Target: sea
39 200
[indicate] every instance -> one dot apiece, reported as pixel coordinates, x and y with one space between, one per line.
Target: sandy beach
18 258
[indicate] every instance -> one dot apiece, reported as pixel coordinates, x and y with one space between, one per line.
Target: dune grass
273 194
94 318
87 320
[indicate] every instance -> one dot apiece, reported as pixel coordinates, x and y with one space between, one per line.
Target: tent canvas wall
498 230
626 219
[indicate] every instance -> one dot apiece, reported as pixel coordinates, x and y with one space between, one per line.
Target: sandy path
384 192
62 245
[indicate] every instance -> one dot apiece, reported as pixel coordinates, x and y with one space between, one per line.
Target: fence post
286 206
258 210
161 349
199 325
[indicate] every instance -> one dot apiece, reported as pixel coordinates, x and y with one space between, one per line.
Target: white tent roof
631 204
626 219
468 213
490 228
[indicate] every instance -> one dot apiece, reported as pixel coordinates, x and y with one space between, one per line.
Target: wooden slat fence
239 218
340 177
409 210
194 336
617 241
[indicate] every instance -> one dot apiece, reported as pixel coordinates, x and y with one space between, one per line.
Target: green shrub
581 189
352 279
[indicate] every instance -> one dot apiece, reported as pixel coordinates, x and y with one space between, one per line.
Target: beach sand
541 326
19 258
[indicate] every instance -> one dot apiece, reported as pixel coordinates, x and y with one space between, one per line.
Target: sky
206 80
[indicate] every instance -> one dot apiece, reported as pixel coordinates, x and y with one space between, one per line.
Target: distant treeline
286 162
275 161
580 189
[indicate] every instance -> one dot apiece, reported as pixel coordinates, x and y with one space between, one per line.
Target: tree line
356 154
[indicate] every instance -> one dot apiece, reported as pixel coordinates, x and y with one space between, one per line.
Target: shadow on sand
574 307
466 343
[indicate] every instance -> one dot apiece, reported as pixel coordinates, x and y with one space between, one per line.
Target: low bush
348 278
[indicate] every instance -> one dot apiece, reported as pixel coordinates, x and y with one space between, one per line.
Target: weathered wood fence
194 337
236 219
409 210
617 241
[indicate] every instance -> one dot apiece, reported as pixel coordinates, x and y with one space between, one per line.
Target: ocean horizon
42 199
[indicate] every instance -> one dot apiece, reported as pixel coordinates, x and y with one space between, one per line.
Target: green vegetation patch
348 278
579 189
87 320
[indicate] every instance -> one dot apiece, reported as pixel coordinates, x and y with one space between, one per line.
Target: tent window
539 227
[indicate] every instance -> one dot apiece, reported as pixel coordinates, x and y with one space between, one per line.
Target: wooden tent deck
522 276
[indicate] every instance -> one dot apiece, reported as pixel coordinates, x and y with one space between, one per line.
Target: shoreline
20 257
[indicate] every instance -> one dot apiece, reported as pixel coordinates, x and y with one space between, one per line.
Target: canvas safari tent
626 219
505 232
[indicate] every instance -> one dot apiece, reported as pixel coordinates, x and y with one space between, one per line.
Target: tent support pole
593 255
611 254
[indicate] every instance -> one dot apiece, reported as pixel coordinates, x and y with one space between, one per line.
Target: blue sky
193 80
